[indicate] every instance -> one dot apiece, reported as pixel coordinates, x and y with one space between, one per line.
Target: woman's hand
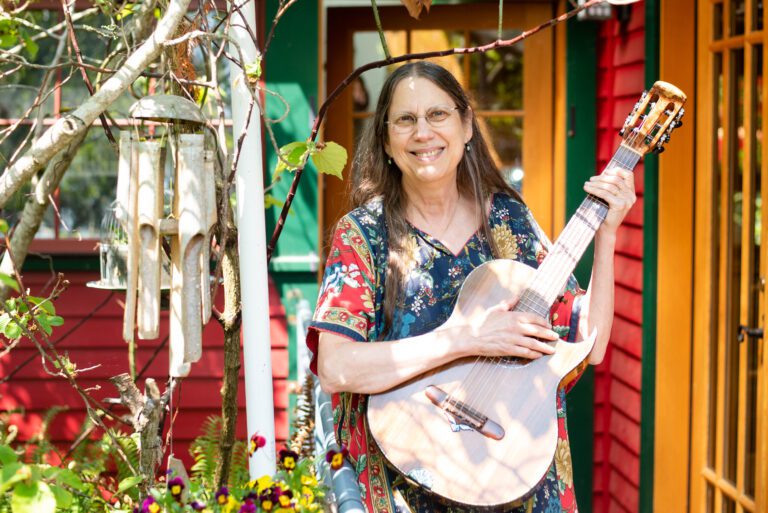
502 332
616 187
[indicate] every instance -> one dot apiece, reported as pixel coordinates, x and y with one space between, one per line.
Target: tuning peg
622 132
678 123
659 149
667 137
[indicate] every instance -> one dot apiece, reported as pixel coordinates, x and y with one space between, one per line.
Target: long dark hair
477 174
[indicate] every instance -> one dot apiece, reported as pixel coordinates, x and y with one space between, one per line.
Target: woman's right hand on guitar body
502 332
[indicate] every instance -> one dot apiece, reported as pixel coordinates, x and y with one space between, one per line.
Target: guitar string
583 231
481 379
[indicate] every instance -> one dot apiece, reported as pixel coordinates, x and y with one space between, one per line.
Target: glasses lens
437 117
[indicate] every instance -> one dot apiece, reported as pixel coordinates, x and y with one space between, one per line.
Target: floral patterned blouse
350 305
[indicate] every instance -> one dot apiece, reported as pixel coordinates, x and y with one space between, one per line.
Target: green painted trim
581 161
62 263
650 274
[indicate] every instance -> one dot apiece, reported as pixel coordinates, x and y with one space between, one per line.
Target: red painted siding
91 336
617 384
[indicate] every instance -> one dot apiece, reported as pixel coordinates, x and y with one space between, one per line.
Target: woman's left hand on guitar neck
616 187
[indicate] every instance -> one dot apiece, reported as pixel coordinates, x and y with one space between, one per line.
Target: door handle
745 332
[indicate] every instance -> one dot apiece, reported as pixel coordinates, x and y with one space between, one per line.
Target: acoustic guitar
483 431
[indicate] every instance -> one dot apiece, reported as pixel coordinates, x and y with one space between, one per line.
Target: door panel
729 437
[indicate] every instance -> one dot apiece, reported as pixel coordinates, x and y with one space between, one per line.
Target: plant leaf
293 153
33 498
3 226
128 483
331 159
62 496
55 320
7 455
415 6
9 281
12 331
12 474
65 476
44 304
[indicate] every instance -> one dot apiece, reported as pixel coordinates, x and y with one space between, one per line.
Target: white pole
249 183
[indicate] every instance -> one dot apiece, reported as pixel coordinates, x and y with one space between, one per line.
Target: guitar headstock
649 126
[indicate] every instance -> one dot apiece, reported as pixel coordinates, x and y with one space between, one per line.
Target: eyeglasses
406 123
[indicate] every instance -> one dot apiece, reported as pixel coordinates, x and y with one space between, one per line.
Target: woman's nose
423 129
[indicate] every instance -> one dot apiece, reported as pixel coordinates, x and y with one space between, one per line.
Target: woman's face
426 154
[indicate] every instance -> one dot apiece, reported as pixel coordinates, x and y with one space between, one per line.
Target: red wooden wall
617 383
91 336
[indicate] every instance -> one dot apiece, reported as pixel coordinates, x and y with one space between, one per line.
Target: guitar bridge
464 414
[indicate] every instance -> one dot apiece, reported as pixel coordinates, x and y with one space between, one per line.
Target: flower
288 459
309 480
150 505
257 442
176 486
197 506
563 462
336 458
247 507
505 240
263 483
222 495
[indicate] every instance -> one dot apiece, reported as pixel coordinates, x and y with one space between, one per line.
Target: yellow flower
505 240
263 483
154 507
231 506
563 463
309 480
307 496
411 253
285 501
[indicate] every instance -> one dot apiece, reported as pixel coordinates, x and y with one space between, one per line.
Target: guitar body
479 432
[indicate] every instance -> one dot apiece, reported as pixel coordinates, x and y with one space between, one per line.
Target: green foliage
206 453
329 158
16 316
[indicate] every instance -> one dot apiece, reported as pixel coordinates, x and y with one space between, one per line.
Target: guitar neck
553 273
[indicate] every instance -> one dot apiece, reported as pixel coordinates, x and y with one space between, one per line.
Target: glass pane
367 48
430 40
717 21
88 187
728 505
717 168
737 17
754 314
504 135
733 301
757 16
496 77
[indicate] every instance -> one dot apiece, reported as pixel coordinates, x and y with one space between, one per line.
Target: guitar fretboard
562 258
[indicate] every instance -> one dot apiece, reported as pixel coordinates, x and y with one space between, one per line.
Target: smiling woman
430 205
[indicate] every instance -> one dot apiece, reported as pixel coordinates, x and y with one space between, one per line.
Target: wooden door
512 89
730 411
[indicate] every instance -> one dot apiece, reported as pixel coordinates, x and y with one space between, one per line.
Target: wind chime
166 145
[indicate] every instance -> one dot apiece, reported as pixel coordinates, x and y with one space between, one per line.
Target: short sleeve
345 305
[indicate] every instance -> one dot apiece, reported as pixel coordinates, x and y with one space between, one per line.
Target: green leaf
64 476
12 474
126 11
331 159
33 498
42 319
9 281
128 483
55 320
30 46
12 331
62 496
293 153
44 304
253 69
7 456
270 201
3 226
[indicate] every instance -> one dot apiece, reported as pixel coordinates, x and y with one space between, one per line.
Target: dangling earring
389 161
467 148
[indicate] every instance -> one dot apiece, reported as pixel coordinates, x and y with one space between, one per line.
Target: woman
430 205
